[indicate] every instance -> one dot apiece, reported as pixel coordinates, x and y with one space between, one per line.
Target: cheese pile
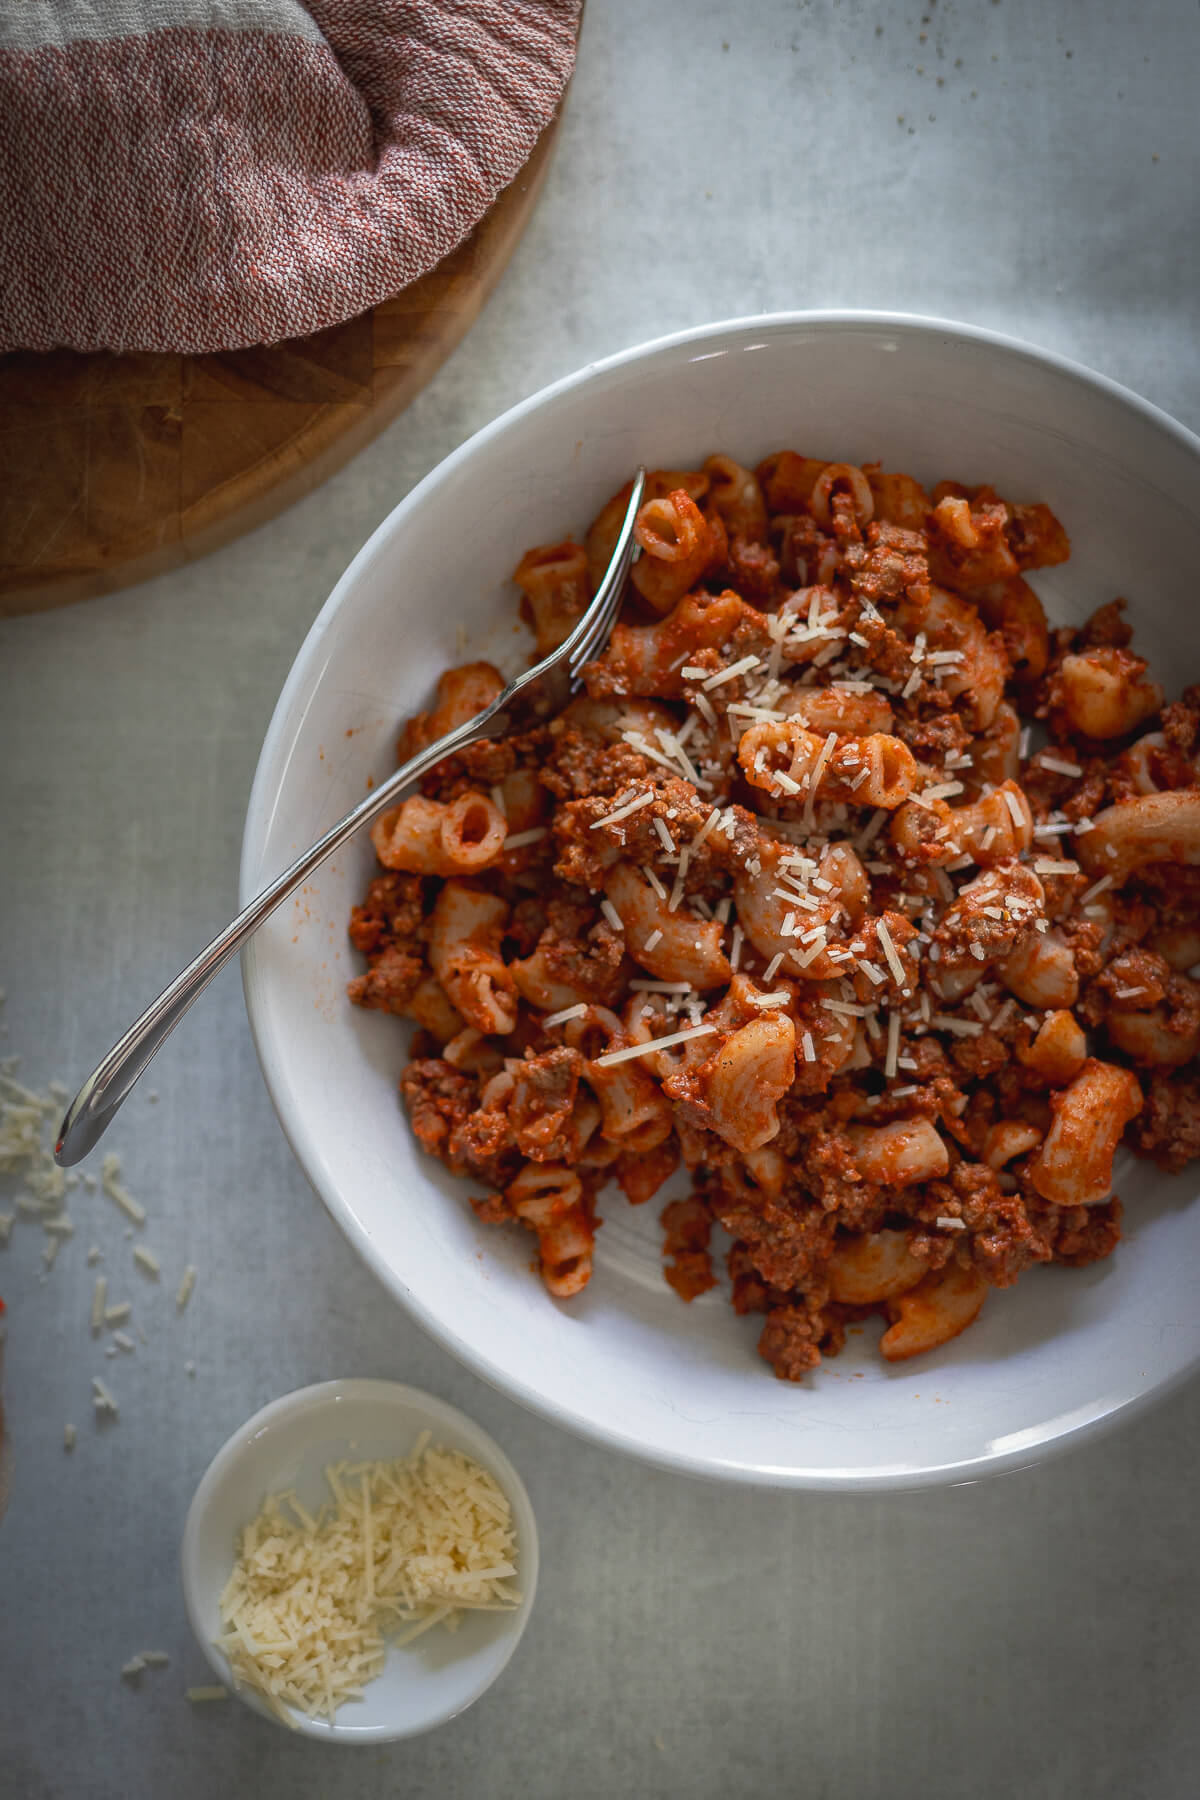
23 1118
403 1546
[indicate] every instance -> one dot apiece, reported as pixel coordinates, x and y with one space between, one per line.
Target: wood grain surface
115 468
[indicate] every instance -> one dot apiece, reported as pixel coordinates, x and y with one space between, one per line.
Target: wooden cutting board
115 468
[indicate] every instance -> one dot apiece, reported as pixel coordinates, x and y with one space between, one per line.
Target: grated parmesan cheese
847 1008
818 769
557 1018
1057 764
1002 1015
110 1168
623 812
404 1546
612 915
889 951
893 1045
103 1400
957 1027
648 1049
871 829
814 950
1015 812
23 1118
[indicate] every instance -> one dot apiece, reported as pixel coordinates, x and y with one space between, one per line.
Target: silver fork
549 684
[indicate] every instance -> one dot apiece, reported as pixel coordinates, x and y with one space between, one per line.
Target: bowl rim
317 1400
961 1471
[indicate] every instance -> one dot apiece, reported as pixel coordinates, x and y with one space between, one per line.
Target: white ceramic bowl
627 1363
288 1445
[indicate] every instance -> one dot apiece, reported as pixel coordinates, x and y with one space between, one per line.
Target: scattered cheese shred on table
403 1546
24 1117
103 1399
110 1168
198 1695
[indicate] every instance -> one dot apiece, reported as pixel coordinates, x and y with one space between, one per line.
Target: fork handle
109 1085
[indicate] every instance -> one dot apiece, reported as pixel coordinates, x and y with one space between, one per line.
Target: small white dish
288 1444
626 1363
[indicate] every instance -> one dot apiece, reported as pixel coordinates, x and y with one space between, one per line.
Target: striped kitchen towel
200 175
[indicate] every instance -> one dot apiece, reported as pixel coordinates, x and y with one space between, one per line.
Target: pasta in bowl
844 922
787 899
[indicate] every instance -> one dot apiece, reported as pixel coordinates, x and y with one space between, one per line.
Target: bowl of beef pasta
783 1063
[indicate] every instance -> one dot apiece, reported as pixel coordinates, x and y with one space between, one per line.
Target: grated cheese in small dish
313 1602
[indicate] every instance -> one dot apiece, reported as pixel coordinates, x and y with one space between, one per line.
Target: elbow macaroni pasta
428 837
788 900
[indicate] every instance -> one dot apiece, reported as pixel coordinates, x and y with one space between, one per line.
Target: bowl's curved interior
628 1363
289 1445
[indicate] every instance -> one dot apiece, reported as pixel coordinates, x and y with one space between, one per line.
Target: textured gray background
1033 1635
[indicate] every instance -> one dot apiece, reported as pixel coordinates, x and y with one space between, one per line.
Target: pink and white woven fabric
199 175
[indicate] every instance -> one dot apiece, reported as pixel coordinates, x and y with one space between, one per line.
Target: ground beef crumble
795 1337
440 1099
687 1231
1168 1127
